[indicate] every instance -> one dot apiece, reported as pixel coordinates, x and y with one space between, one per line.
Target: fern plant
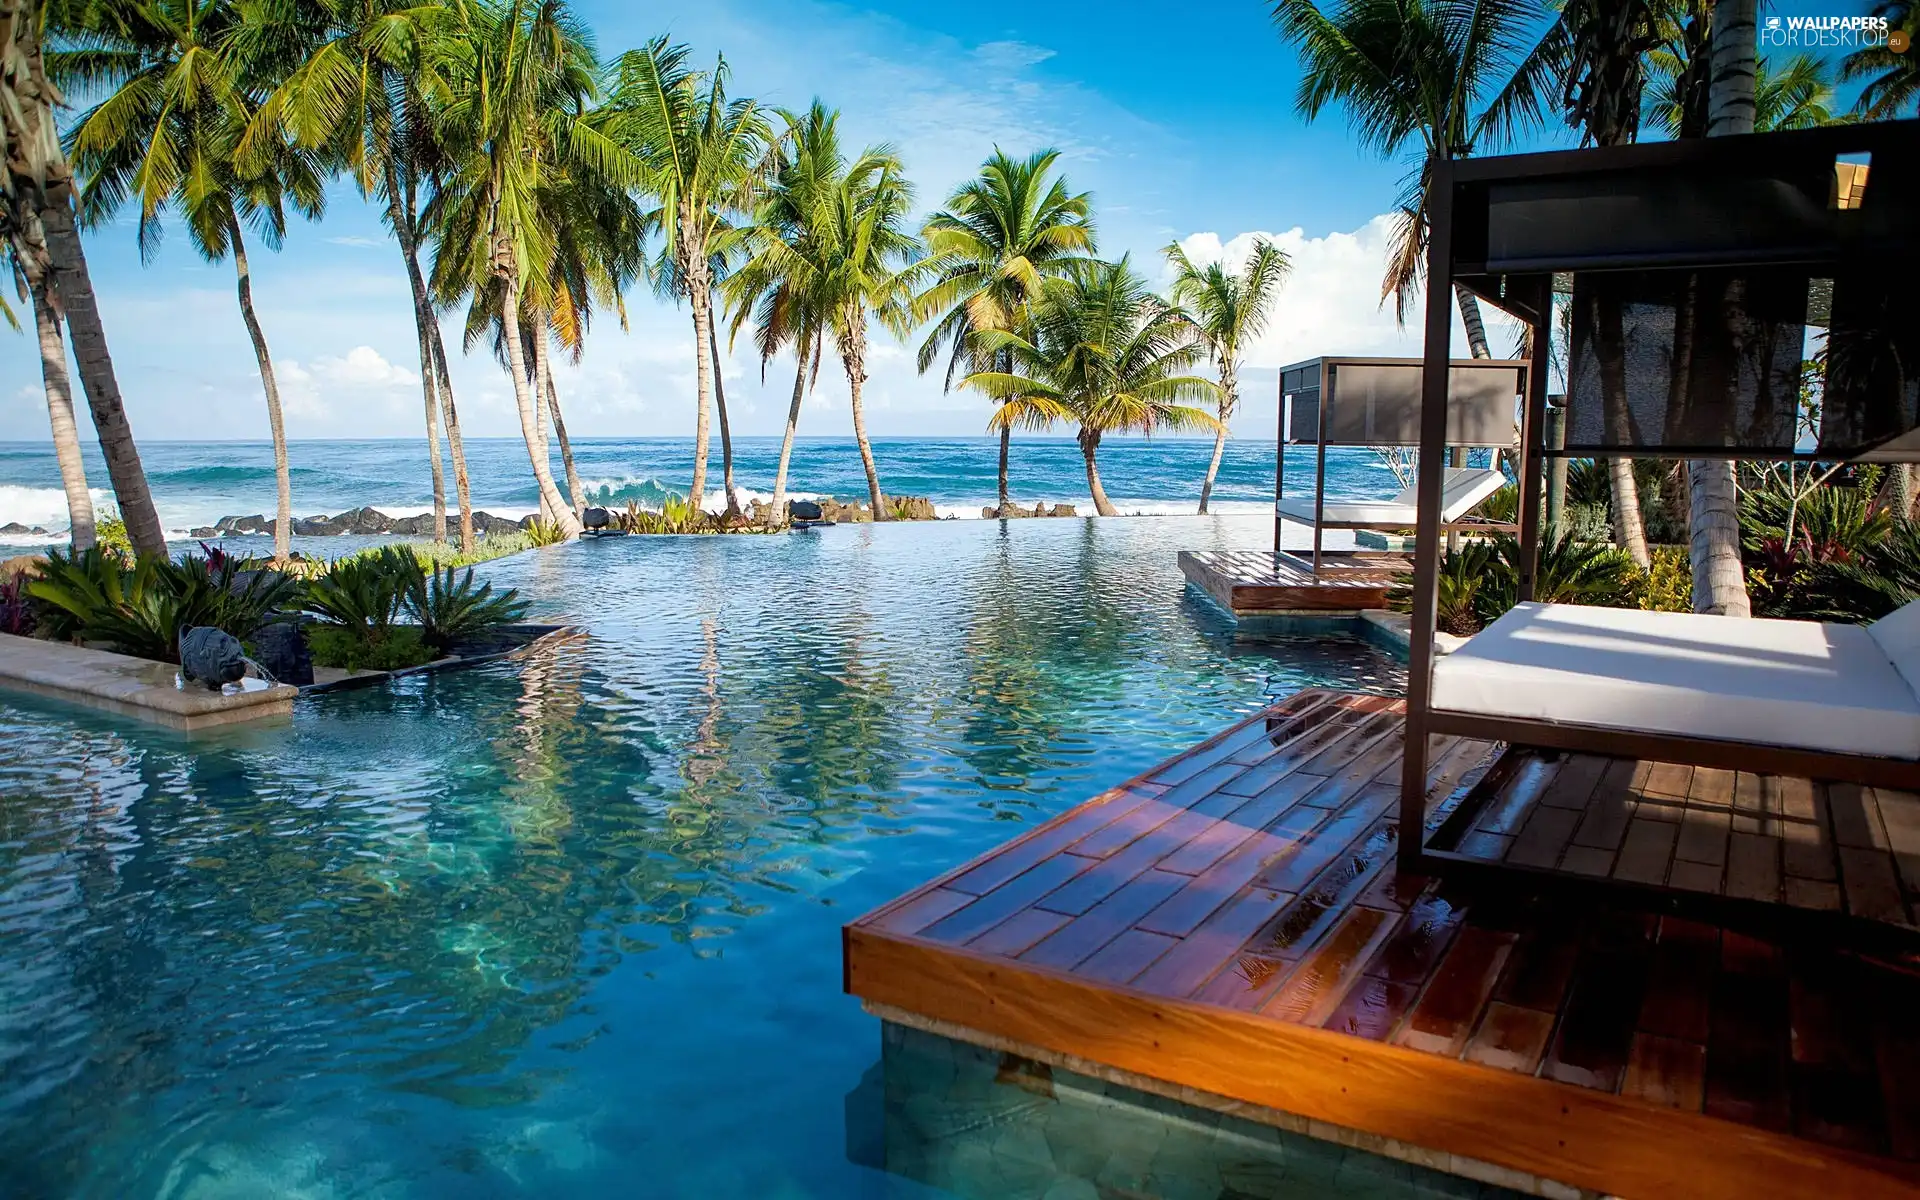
450 609
364 594
545 533
142 608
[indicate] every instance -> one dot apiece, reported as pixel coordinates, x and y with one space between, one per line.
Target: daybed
1466 489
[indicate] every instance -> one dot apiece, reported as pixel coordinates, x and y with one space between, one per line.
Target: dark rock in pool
282 649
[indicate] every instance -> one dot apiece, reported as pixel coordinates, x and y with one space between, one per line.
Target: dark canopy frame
1760 235
1346 401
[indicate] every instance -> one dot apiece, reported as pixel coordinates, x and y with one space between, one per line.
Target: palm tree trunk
726 435
1629 532
1006 446
777 514
700 298
524 401
547 512
574 491
855 358
1719 584
282 478
400 216
73 285
1229 394
66 435
455 450
1089 446
1476 328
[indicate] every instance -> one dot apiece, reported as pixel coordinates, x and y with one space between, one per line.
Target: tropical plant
1227 309
1667 585
449 609
702 156
1107 353
1820 523
1797 93
361 93
1892 76
364 594
143 607
38 183
545 533
19 615
990 252
1480 579
400 647
182 79
1451 79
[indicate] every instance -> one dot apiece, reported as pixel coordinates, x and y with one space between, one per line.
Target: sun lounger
1466 489
1844 689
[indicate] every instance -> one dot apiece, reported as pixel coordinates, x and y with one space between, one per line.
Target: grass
486 547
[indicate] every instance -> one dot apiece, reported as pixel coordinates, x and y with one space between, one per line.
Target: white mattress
1779 683
1464 488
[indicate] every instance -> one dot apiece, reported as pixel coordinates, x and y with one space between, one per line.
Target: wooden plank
1667 1072
1609 809
1414 951
1507 812
1580 1137
1900 813
1667 781
1680 981
1137 822
1545 836
1747 1054
1444 1018
1316 988
1373 1009
922 911
1293 871
1896 1051
1079 938
1213 887
1707 820
1511 1038
1808 849
1856 817
1872 888
1754 805
1648 849
1202 952
1609 984
1017 934
1586 860
1016 894
1574 784
1300 925
1126 956
996 868
1753 867
1233 828
1836 1092
1687 876
1541 966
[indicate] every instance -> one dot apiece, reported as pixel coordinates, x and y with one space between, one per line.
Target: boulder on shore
29 565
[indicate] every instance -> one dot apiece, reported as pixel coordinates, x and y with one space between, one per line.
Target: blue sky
1179 120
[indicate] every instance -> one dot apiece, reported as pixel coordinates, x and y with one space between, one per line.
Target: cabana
1376 402
1696 269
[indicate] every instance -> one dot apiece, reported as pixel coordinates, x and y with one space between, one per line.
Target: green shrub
1829 522
1667 586
1587 522
1481 580
544 533
110 534
142 608
336 646
449 609
364 593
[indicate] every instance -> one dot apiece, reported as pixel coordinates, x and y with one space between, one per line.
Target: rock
281 648
204 531
14 527
30 565
253 524
364 521
1064 510
321 526
39 532
420 526
850 511
484 522
914 508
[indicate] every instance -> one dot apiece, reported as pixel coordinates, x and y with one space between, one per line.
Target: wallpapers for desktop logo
1831 33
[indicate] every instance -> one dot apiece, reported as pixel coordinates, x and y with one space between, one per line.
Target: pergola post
1532 429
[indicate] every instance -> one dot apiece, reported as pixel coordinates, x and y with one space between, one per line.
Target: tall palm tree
1002 235
26 251
1107 353
38 179
362 94
183 80
1719 581
1797 93
1892 77
1608 44
1451 79
781 248
702 155
1226 309
515 125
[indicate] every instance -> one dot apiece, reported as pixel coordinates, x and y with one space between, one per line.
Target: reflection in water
536 926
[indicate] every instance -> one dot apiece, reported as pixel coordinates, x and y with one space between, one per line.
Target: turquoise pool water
571 927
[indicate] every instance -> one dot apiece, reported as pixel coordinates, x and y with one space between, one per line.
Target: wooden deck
1232 923
1699 832
1262 582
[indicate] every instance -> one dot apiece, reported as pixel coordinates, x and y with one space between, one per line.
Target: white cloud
330 388
357 242
1011 55
364 369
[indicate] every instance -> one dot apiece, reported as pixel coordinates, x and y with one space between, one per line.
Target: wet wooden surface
1246 581
1251 882
1829 847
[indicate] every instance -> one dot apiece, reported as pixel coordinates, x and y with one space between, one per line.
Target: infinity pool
571 926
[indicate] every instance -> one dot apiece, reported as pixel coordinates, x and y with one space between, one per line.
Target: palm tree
1001 237
1892 77
39 181
26 250
1107 353
1226 309
702 156
1451 78
515 126
781 248
362 94
1796 94
1608 44
183 80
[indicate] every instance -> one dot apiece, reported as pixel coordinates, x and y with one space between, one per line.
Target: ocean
197 483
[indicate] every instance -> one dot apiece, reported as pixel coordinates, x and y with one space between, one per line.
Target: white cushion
1462 492
1898 636
1776 683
